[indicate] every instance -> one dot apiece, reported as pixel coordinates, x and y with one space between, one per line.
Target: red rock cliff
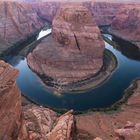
17 22
28 122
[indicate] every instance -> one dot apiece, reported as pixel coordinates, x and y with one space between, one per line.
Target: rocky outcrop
18 21
75 49
107 125
64 128
129 132
28 122
10 103
126 25
42 123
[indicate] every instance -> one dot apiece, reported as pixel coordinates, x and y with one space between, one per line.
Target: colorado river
105 95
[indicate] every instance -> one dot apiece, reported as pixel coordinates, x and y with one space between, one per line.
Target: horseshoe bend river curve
103 96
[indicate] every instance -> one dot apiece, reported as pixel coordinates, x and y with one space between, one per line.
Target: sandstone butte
126 24
75 49
31 122
18 21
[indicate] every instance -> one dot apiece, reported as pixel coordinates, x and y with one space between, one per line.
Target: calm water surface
107 94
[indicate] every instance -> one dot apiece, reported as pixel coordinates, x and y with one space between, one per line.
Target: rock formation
10 103
129 132
126 25
18 21
75 49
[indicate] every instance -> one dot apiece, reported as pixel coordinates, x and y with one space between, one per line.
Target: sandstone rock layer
75 49
18 21
126 24
10 103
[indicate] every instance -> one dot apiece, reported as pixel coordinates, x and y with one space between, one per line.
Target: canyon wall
103 12
46 10
126 24
18 21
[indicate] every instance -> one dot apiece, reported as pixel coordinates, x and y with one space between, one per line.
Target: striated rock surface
103 12
106 125
64 128
18 21
75 49
10 103
129 132
44 124
28 122
126 25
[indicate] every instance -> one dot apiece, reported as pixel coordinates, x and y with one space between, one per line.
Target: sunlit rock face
10 103
18 21
127 23
129 132
75 49
28 122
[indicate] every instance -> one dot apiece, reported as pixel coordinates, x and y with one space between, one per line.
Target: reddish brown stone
18 21
75 49
10 103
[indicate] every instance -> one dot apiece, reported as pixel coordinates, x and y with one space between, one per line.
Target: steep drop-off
18 21
10 102
28 122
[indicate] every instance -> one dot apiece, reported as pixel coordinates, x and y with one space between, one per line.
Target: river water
107 94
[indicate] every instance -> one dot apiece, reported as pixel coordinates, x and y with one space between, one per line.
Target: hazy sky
133 1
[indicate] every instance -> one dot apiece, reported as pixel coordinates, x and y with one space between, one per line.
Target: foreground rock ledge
10 102
75 49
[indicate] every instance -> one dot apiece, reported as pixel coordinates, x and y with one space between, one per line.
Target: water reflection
129 50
